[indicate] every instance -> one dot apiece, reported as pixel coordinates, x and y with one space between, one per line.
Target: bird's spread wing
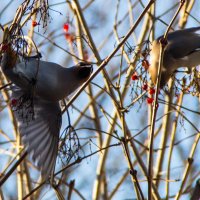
39 125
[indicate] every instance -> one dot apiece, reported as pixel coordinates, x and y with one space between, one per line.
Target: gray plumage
52 81
39 123
38 87
182 50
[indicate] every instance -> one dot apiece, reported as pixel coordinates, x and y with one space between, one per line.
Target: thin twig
163 43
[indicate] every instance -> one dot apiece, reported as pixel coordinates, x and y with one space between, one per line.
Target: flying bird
38 88
182 50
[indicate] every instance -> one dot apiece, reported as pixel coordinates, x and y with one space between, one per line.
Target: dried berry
145 64
134 76
69 37
145 87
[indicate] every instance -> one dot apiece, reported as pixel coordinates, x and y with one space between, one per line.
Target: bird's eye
84 72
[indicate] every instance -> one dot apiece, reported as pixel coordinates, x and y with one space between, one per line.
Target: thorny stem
2 180
188 166
70 165
93 108
17 18
133 172
165 133
58 193
163 43
102 158
82 25
16 135
10 163
110 56
134 149
106 60
4 86
174 126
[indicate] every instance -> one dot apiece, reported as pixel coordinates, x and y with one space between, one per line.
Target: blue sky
100 18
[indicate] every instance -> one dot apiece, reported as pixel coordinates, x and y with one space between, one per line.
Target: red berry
151 91
34 23
145 87
13 102
150 100
134 76
66 27
145 64
69 37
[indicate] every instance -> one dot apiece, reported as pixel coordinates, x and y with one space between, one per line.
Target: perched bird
48 80
38 87
182 50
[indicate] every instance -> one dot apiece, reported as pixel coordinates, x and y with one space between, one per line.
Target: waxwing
182 50
37 88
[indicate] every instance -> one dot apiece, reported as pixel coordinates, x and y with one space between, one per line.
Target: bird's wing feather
183 42
39 130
